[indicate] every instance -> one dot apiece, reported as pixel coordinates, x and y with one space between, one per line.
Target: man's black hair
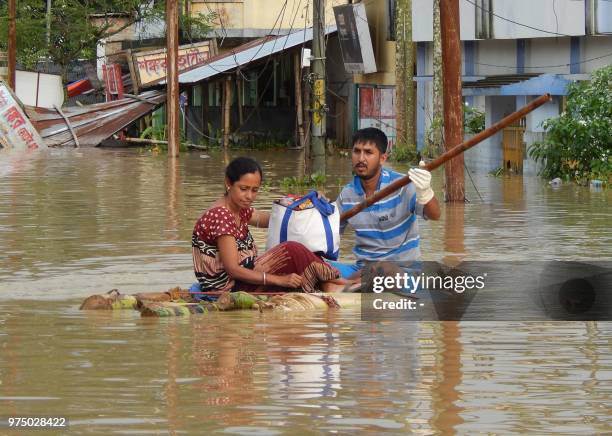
241 166
372 134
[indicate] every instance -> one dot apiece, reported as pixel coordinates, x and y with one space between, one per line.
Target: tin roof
247 53
94 123
519 84
498 80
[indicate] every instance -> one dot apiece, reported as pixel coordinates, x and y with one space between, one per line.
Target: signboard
16 131
354 37
151 66
39 89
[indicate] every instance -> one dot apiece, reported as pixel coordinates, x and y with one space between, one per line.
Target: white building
513 51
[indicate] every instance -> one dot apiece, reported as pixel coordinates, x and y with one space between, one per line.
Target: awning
247 53
518 84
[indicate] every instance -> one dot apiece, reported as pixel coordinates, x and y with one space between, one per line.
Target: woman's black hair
241 166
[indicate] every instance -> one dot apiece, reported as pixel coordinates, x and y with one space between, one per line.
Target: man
387 230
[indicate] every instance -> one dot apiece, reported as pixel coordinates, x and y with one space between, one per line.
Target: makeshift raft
180 302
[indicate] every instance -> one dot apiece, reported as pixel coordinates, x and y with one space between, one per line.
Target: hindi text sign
151 65
16 131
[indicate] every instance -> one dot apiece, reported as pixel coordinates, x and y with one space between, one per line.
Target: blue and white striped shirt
387 230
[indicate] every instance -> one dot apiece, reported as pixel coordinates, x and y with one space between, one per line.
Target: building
260 67
513 51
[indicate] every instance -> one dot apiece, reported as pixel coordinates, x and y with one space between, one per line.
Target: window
196 95
484 18
390 20
214 94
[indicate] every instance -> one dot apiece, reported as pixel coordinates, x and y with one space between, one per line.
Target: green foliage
301 185
578 142
160 133
264 144
497 172
78 25
473 120
404 153
196 26
434 147
157 132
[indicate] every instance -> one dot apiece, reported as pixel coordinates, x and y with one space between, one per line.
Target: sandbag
309 220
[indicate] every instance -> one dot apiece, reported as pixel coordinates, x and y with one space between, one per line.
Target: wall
340 121
567 18
495 52
595 47
257 18
488 155
548 52
384 50
422 19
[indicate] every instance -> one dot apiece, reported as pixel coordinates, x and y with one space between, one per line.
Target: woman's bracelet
264 278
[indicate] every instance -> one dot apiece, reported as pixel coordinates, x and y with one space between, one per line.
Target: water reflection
445 393
304 366
116 372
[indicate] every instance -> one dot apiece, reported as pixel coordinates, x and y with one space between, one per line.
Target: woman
224 252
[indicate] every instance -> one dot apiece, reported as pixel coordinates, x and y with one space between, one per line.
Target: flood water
78 222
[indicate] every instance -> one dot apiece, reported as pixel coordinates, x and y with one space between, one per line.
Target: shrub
404 153
473 120
578 142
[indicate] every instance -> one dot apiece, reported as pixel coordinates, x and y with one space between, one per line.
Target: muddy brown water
77 222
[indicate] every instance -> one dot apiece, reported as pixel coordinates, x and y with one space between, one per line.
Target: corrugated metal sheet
94 123
500 80
247 53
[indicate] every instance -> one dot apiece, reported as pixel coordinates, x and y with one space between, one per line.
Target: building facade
512 52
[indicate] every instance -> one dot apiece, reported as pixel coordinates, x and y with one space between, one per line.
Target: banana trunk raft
179 302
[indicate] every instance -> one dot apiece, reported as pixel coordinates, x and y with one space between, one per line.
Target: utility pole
12 43
319 107
453 106
172 85
48 39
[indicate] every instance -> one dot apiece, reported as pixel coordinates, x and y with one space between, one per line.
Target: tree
77 26
404 74
437 123
578 142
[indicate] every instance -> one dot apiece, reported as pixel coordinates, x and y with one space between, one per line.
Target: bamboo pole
298 98
161 142
240 97
227 110
449 154
172 83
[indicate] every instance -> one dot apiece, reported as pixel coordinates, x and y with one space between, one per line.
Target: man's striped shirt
386 230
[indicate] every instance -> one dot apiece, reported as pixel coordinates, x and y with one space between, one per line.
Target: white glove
422 183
